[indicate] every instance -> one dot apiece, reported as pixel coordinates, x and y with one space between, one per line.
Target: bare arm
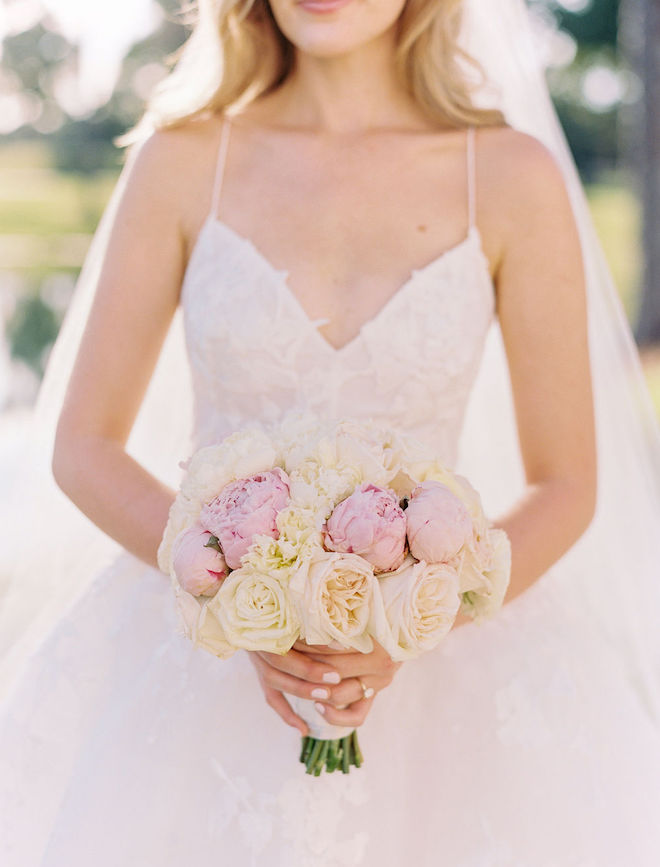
543 316
135 301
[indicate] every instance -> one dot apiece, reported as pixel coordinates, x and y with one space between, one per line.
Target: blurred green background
69 84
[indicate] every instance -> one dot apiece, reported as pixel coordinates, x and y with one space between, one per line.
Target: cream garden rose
333 594
415 608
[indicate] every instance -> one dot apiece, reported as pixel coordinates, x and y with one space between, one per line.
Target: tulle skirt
517 743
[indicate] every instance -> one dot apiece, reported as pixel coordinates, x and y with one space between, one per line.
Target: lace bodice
255 353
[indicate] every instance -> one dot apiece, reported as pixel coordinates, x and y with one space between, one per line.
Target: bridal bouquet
330 533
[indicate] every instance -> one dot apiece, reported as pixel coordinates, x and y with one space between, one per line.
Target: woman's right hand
296 673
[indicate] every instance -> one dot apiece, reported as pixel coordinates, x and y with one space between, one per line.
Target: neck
350 93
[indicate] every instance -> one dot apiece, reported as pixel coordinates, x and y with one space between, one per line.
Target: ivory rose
333 594
209 634
245 508
255 611
485 600
438 522
370 523
199 569
415 608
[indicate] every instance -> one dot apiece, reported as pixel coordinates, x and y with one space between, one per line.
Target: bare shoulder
172 168
510 153
519 181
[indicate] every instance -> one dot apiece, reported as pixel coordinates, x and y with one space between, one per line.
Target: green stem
356 749
346 754
332 760
314 754
321 759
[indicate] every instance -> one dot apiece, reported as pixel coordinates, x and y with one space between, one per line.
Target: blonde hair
236 52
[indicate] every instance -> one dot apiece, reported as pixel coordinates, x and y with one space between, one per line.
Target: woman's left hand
349 703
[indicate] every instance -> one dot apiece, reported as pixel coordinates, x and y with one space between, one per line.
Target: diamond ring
367 691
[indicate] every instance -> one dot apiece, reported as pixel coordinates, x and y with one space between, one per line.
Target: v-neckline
283 280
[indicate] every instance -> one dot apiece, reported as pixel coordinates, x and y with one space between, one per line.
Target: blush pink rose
439 523
245 508
370 523
199 570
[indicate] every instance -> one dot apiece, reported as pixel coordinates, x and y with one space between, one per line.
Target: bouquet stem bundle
336 755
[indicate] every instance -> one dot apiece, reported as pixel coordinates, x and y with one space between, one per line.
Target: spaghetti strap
471 177
220 166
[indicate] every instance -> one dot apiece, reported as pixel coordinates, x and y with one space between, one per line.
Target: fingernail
319 707
369 691
320 693
332 677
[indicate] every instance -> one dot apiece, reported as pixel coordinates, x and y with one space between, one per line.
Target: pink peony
199 570
439 523
370 523
245 508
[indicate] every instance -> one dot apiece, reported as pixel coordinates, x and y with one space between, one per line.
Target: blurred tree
30 65
31 331
33 64
86 144
589 81
640 36
591 22
146 63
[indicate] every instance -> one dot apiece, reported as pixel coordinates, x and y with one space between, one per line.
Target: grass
616 215
37 200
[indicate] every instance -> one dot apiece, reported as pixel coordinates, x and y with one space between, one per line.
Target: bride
337 225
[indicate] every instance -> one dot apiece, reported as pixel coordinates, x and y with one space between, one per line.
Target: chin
331 28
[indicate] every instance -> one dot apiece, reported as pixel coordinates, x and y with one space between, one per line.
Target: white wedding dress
519 743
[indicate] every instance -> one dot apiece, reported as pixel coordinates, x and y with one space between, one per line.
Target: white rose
333 595
187 607
209 634
415 608
485 599
255 611
198 625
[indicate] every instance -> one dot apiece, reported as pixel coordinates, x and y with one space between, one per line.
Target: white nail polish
320 693
369 691
331 677
319 707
